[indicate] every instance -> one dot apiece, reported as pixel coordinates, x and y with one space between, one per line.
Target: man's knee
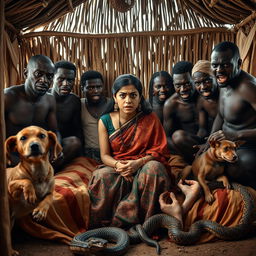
178 137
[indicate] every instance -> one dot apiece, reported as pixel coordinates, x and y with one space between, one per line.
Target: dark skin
68 104
181 117
93 92
68 113
207 104
236 119
162 92
30 104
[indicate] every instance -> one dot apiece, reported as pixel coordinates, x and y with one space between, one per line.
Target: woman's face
128 99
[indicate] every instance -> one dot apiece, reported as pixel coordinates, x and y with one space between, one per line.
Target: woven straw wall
140 54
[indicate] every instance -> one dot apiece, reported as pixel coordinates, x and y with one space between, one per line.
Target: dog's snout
34 147
235 157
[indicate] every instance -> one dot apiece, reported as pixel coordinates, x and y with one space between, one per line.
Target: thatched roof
99 16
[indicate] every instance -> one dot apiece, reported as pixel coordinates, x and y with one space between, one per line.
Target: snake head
96 242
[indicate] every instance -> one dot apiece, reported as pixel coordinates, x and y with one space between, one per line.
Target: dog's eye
225 149
41 136
23 138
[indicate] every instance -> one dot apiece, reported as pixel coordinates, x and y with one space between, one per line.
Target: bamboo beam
246 21
5 236
127 35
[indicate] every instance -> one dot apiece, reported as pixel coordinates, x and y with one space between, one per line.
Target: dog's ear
10 146
54 143
214 143
239 143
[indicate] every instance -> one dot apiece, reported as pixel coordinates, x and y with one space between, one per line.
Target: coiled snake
96 239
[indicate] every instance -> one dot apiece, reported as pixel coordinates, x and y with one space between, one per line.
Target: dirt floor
29 246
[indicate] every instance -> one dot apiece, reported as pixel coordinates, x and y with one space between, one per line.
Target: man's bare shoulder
248 82
172 102
14 90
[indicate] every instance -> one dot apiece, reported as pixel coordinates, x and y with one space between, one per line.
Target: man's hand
221 135
189 187
170 205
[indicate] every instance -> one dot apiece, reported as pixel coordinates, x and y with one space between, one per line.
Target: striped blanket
69 213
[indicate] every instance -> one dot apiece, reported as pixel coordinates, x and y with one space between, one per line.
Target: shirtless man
207 105
236 119
160 89
29 103
180 113
93 105
68 111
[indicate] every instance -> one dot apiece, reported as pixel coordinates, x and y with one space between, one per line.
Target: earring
139 108
116 107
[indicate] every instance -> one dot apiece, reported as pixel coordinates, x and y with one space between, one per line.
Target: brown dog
30 183
208 166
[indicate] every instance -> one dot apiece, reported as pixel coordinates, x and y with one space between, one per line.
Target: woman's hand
127 167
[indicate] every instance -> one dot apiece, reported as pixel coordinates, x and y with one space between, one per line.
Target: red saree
149 139
117 202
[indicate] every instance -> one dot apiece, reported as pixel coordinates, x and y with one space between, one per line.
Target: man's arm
248 93
76 120
51 118
202 119
168 122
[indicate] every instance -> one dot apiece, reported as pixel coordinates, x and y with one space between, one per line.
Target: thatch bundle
121 5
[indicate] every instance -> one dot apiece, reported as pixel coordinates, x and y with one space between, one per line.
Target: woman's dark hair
169 81
124 80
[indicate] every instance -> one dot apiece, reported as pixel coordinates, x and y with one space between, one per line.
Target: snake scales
96 239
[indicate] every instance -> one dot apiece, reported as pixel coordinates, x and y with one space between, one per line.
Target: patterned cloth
69 213
117 202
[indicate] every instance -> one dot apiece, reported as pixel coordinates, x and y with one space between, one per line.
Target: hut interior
115 37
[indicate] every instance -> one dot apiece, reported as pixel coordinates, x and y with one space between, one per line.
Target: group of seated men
212 99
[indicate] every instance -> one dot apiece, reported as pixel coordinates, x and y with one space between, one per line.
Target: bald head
39 74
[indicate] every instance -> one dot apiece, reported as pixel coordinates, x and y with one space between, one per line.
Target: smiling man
236 119
29 103
207 105
68 111
160 89
180 113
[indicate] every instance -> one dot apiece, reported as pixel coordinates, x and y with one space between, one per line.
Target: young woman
133 148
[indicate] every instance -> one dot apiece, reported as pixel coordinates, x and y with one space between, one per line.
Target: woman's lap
130 202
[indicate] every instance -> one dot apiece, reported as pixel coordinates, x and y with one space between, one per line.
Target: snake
96 240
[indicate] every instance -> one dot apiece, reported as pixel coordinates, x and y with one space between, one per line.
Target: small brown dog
30 183
207 166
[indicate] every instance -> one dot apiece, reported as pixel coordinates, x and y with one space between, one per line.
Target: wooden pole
5 237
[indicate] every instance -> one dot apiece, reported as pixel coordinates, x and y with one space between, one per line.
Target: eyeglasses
206 81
